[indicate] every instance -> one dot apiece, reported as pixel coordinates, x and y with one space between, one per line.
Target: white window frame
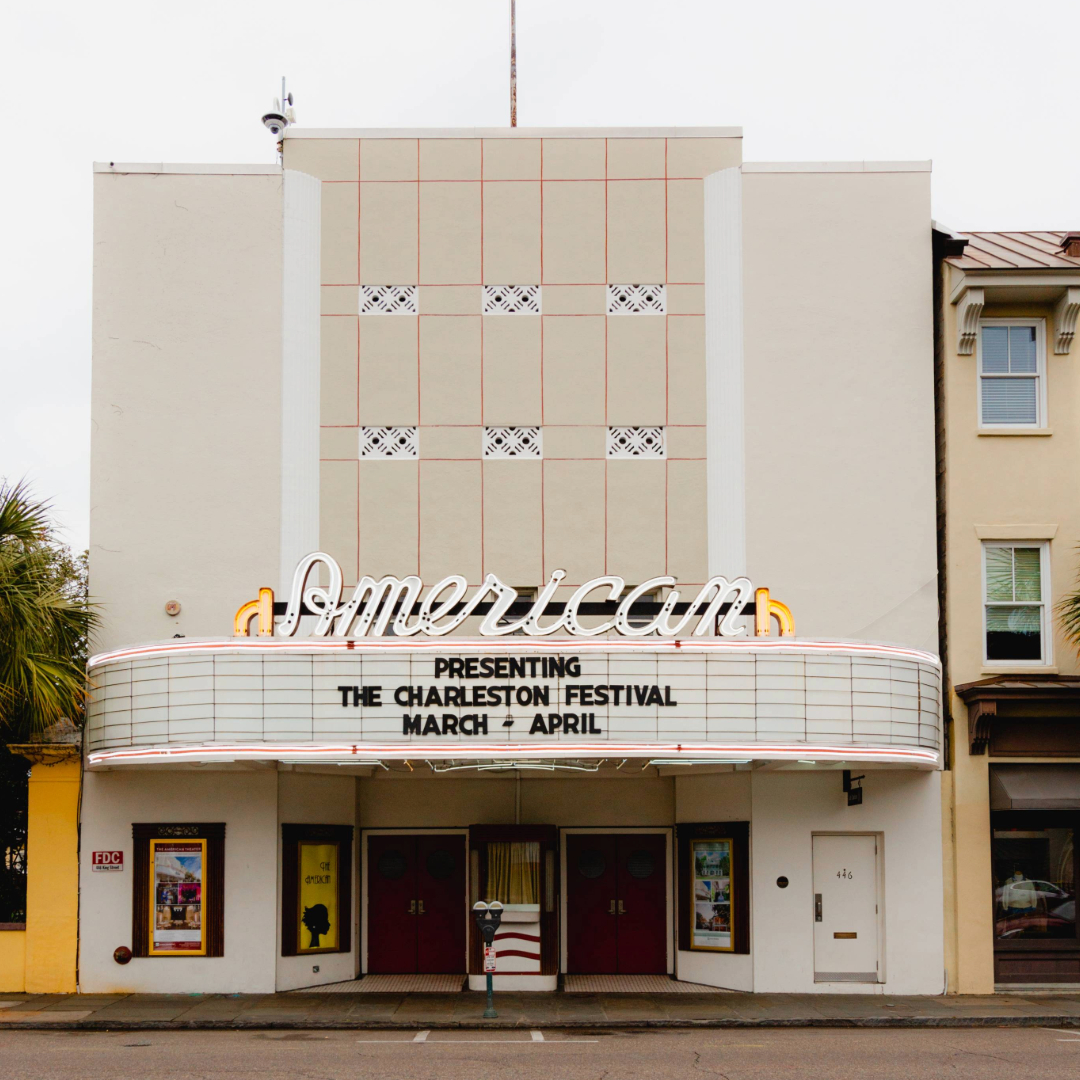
1045 635
1040 374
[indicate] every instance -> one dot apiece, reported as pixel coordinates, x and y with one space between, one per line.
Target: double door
416 904
616 903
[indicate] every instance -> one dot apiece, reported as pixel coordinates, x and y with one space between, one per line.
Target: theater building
541 516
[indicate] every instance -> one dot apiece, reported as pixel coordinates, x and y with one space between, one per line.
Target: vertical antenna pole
513 63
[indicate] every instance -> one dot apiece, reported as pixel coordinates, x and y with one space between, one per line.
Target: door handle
421 911
412 907
611 910
622 910
817 907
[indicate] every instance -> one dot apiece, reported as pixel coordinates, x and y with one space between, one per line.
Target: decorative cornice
46 753
968 312
1065 313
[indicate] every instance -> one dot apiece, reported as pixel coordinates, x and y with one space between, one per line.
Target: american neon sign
393 603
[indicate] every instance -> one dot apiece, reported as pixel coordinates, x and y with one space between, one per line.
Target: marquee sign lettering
394 604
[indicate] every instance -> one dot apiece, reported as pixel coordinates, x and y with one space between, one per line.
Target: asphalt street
546 1055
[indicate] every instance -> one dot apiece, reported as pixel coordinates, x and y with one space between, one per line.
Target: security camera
275 123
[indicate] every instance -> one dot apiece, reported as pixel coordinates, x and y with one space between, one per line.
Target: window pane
513 872
1022 348
999 573
995 349
1027 580
1008 401
1013 632
1034 883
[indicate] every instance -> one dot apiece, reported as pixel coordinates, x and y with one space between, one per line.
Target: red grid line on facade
419 420
607 416
667 370
522 180
483 278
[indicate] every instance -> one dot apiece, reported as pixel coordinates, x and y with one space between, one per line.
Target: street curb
1070 1021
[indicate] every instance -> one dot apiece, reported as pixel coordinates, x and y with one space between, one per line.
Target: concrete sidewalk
413 1012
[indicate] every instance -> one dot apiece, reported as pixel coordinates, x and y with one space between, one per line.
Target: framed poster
316 889
318 915
177 897
711 917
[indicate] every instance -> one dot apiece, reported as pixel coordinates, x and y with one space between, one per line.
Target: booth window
513 872
1014 577
178 889
1012 388
316 889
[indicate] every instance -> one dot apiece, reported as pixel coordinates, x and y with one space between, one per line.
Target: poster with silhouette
176 892
317 927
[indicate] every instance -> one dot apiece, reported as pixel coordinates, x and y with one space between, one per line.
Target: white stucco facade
329 381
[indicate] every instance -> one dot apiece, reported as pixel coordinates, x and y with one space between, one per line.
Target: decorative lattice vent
389 442
637 299
635 442
512 442
388 300
511 299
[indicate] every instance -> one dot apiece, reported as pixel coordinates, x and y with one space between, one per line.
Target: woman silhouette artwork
317 919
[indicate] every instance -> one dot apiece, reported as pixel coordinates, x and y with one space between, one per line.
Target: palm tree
45 620
1068 610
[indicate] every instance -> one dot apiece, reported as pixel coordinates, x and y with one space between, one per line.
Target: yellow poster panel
317 925
177 897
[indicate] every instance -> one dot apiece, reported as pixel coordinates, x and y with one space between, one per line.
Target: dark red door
391 905
642 904
616 904
416 904
441 909
591 904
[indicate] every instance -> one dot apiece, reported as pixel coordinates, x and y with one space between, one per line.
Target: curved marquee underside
338 701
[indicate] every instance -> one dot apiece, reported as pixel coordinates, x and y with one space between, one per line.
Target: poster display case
711 895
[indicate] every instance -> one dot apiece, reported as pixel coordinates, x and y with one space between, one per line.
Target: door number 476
845 874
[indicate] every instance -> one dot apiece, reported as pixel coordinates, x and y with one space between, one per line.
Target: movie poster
711 879
317 926
177 869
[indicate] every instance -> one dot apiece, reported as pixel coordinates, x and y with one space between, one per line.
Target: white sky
987 90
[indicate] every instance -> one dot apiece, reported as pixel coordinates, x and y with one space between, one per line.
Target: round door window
391 865
591 863
440 864
640 864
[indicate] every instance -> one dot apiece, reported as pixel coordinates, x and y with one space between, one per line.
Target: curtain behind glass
513 872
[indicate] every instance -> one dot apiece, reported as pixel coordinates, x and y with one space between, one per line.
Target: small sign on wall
106 860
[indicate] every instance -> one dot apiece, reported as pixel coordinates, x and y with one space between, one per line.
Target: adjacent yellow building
1009 442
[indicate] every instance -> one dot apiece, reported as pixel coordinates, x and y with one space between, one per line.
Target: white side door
846 908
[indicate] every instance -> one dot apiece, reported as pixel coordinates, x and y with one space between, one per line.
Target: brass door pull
421 911
622 910
412 907
611 910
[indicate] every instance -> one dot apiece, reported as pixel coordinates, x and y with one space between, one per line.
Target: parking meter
488 916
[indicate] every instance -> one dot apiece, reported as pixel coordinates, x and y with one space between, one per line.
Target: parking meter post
488 917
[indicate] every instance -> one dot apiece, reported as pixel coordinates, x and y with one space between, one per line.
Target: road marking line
1063 1031
537 1036
462 1042
421 1036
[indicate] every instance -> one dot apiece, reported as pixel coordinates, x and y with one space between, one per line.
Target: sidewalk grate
635 984
390 984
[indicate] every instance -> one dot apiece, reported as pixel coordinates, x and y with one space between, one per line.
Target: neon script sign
394 604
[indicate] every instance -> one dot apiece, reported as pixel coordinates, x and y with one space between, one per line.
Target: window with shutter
1011 374
1015 610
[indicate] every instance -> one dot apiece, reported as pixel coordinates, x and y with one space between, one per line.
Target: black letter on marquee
411 725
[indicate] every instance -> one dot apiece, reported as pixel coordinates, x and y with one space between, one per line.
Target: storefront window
513 872
1034 883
